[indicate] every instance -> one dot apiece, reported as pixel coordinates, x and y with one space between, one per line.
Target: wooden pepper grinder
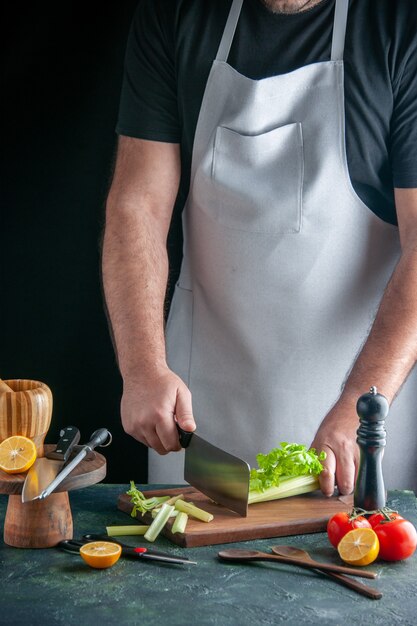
372 409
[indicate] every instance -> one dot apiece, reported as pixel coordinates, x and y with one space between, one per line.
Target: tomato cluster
397 536
341 523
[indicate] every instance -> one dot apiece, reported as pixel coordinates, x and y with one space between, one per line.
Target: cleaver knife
221 476
45 469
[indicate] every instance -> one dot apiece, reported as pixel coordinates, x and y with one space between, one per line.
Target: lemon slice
17 454
101 554
359 546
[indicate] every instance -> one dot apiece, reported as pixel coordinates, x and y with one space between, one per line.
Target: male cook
285 134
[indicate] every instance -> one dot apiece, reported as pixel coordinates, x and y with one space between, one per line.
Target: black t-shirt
172 44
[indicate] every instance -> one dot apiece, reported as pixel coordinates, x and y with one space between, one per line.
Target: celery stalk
159 522
289 487
173 500
193 511
115 531
289 470
155 512
180 523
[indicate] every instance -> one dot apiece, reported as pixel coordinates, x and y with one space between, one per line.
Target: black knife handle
69 437
99 438
184 436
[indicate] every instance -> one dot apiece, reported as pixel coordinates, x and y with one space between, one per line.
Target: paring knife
221 476
45 469
98 438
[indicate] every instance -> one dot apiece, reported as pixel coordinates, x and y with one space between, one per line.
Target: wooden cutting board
296 515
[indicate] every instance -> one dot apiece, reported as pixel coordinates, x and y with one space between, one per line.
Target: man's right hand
151 404
135 275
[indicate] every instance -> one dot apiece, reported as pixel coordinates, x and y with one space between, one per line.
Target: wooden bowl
26 410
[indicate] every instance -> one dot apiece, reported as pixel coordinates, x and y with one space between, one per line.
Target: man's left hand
336 436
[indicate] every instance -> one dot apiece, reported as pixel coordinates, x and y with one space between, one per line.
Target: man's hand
385 360
150 407
337 437
135 273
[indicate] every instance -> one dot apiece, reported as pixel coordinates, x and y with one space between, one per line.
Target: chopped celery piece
193 511
115 531
159 522
180 523
155 512
175 498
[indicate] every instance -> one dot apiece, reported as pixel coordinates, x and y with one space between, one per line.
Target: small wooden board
44 523
296 515
90 471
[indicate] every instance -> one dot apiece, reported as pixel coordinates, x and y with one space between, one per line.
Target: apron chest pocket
257 180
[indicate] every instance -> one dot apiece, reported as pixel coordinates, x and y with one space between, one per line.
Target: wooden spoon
297 553
255 555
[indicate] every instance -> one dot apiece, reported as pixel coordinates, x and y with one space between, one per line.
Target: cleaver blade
221 476
46 468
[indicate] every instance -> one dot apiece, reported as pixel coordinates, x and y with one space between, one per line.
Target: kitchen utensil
98 438
223 477
74 545
256 555
298 515
43 523
45 469
26 409
372 409
297 553
125 546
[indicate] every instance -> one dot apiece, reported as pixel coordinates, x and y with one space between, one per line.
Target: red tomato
381 517
397 539
341 523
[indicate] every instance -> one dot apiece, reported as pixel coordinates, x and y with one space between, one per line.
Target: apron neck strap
229 31
339 30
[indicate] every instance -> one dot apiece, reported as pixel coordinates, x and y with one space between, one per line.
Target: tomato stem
385 511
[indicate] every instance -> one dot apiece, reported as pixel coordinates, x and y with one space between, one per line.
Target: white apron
284 266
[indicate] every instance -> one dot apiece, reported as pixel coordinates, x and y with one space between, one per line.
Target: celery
286 471
180 523
142 504
115 531
193 511
173 500
159 522
289 487
155 512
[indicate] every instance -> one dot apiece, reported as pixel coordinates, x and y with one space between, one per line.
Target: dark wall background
63 69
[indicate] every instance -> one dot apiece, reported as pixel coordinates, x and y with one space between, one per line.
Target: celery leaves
140 502
288 461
